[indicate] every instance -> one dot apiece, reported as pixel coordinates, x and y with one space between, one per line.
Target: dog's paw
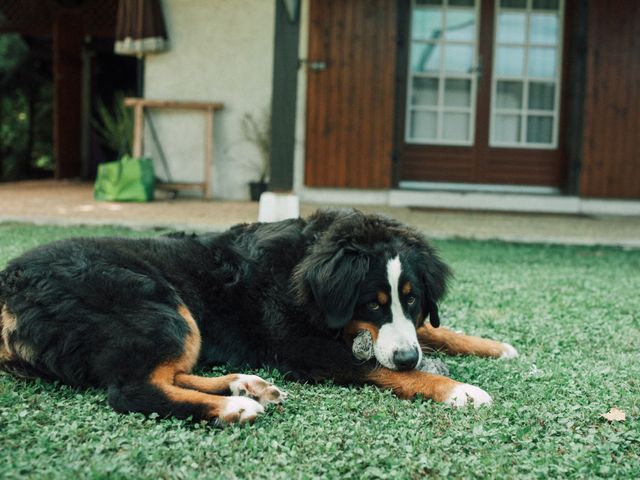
465 394
508 351
239 410
257 389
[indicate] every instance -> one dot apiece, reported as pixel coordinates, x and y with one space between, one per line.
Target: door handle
314 65
317 66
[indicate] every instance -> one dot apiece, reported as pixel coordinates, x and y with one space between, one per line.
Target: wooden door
350 93
611 150
483 84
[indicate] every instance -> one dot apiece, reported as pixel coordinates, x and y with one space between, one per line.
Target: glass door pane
442 79
525 98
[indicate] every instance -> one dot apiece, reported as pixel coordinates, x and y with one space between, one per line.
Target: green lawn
573 314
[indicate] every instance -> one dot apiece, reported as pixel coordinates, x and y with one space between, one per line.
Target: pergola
68 23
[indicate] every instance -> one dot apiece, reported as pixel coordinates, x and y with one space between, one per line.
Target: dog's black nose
406 359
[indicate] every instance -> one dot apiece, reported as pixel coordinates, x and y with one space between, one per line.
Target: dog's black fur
103 311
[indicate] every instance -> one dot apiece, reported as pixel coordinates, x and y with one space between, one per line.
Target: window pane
512 27
458 58
425 91
423 125
509 62
542 62
457 93
456 126
509 95
461 25
425 57
507 128
426 24
513 3
544 29
428 2
545 4
462 3
539 129
541 96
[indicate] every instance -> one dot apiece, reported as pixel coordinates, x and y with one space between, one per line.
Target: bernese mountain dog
136 316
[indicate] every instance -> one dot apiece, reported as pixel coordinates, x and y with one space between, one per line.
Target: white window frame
524 112
440 75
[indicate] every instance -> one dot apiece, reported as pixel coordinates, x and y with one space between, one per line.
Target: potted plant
115 125
257 130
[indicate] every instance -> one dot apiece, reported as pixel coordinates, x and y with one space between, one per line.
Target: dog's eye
411 300
373 306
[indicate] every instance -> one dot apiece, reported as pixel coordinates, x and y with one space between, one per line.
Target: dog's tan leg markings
218 385
192 342
224 409
11 349
5 354
8 326
436 387
242 385
443 339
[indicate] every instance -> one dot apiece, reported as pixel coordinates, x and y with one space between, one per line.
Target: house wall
611 150
220 51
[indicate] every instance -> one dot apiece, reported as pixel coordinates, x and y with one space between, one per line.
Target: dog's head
372 269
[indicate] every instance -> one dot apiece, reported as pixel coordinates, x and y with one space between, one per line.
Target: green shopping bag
126 180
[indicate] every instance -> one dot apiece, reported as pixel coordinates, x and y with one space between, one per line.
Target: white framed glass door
442 76
493 123
527 66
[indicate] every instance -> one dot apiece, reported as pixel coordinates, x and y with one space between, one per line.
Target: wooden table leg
138 129
208 151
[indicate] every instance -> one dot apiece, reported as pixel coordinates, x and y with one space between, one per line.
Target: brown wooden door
350 93
482 89
611 150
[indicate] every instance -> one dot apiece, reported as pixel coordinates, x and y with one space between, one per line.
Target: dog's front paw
258 389
508 351
239 410
464 394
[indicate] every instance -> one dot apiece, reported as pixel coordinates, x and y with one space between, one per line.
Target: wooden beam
208 150
283 103
172 104
182 186
577 28
138 129
67 95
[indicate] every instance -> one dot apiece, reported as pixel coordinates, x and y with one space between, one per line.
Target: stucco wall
220 51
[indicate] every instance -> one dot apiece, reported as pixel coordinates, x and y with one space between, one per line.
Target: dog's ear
333 278
432 310
433 273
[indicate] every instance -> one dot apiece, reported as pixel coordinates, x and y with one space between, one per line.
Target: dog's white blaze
400 334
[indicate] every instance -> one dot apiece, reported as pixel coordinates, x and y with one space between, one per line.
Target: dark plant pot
256 189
